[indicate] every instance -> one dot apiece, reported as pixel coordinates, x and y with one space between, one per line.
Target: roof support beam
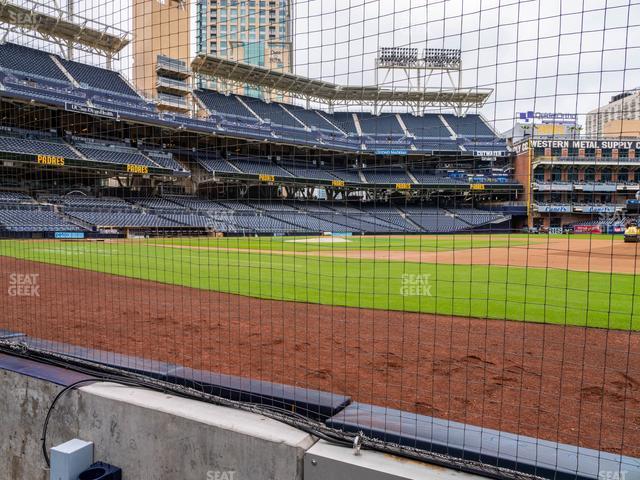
49 22
237 73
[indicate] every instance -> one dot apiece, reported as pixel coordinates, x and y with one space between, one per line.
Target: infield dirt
572 384
583 255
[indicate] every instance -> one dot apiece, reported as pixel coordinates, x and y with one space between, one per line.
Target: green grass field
289 244
269 270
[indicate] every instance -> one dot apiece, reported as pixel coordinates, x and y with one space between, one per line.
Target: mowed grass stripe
515 293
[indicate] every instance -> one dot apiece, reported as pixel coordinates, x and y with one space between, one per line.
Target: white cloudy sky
551 55
547 55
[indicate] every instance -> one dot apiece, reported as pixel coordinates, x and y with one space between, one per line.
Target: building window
623 175
589 174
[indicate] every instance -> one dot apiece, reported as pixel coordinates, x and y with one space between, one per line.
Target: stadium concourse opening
202 198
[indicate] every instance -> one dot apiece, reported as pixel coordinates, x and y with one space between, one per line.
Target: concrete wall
148 434
155 436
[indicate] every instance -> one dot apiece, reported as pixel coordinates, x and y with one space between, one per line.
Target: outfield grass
515 293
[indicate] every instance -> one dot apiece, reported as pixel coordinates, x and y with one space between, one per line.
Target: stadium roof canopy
326 92
56 25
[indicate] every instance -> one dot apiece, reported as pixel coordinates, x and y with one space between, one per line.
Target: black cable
61 394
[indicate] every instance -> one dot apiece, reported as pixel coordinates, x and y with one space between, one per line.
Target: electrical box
70 459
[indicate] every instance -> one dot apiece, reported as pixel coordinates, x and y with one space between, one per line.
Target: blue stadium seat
21 218
99 78
385 124
215 164
220 104
428 126
344 121
37 147
30 61
114 154
257 166
311 119
470 126
300 171
386 175
350 175
127 219
272 112
166 160
45 90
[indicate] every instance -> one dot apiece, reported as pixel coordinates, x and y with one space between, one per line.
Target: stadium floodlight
417 70
442 58
403 57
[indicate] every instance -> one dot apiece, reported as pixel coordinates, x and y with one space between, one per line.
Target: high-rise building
619 117
161 52
257 32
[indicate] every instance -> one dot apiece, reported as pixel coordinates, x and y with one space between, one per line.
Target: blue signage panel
548 117
391 152
554 208
69 235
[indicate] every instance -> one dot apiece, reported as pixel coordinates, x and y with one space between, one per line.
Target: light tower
418 70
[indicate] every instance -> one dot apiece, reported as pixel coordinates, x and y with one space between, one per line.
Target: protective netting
410 219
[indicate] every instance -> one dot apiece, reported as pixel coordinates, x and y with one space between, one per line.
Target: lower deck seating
258 167
347 175
129 219
115 155
387 175
155 203
166 160
477 217
20 212
33 219
438 223
214 164
195 220
195 203
83 201
36 147
310 173
15 197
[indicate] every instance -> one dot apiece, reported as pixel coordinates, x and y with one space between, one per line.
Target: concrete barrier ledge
150 435
157 436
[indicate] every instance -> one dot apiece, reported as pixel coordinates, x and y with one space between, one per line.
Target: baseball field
535 335
569 281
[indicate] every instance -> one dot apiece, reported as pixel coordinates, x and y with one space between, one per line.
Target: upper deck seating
30 61
469 126
99 78
383 125
218 103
